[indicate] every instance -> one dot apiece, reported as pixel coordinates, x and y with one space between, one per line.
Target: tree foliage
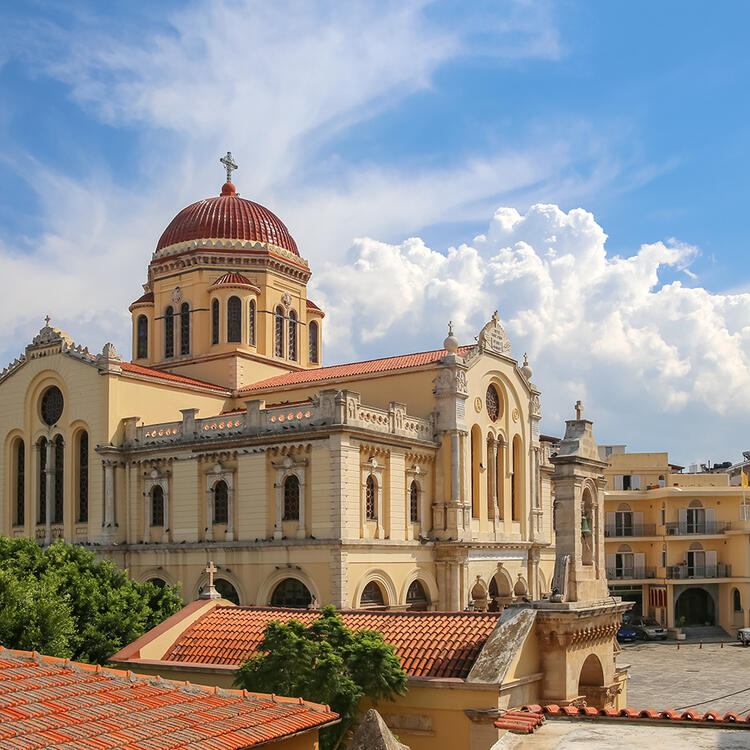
325 662
61 601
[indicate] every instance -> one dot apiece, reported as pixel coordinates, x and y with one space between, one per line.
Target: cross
450 327
579 409
47 320
210 569
229 164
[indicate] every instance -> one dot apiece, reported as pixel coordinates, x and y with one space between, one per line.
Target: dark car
646 628
626 634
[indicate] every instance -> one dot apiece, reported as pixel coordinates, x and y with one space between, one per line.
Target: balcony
687 572
702 527
630 574
636 529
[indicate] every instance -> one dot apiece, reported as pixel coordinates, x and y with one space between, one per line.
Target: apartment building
677 544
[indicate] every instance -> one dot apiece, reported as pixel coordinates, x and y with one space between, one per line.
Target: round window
492 399
52 405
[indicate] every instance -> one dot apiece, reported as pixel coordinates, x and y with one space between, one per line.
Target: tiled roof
227 217
368 367
232 279
429 644
312 306
146 297
151 373
49 702
709 718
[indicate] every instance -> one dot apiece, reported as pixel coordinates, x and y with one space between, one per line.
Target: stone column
109 498
301 523
278 529
229 536
209 514
379 533
532 573
165 491
49 479
146 515
492 480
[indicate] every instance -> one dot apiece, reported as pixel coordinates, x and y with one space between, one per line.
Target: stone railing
330 407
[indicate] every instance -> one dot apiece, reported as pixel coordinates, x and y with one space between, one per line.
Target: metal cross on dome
229 164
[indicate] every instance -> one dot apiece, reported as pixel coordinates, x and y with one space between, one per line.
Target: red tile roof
45 702
146 297
227 217
429 644
368 367
312 306
233 279
151 373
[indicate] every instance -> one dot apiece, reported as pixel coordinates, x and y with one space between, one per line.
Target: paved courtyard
663 677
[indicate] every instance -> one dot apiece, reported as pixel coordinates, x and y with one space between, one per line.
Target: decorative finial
47 320
526 369
579 409
229 164
495 317
451 342
210 592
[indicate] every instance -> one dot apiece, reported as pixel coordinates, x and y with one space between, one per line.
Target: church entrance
696 605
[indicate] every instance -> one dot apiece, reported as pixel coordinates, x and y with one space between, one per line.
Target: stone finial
451 342
210 591
579 409
526 369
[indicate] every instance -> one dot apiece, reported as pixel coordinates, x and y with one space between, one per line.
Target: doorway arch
591 680
696 605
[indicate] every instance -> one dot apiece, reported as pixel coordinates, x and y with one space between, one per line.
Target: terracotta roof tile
429 644
368 367
312 306
46 701
233 279
146 297
151 373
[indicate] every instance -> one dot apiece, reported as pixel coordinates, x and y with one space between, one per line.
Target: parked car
625 634
743 636
647 629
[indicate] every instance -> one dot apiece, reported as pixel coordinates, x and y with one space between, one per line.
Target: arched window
372 596
278 333
51 406
157 506
20 483
41 516
227 591
215 322
169 332
737 601
416 598
370 498
414 501
251 323
291 593
142 337
234 320
293 335
83 476
313 334
492 399
291 498
221 502
185 328
59 484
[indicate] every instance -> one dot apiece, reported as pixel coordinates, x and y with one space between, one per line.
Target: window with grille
185 328
372 596
293 335
20 483
291 498
416 598
169 332
42 509
234 320
215 322
221 502
52 405
414 502
291 593
370 499
142 337
251 323
58 484
492 399
313 334
157 506
278 346
83 477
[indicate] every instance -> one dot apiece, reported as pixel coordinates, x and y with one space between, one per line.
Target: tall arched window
293 335
20 483
83 476
215 322
234 320
414 501
142 337
59 483
291 498
313 334
185 328
372 596
371 506
169 332
291 593
737 601
41 515
251 323
278 333
416 597
492 399
221 502
157 506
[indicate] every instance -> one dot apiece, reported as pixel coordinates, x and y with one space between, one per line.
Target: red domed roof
227 217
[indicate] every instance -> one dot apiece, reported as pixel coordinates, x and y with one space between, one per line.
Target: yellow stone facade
678 544
402 473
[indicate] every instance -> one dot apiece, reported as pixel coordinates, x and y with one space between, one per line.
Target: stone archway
591 681
696 605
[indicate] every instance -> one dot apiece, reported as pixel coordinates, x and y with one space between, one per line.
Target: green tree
327 663
106 608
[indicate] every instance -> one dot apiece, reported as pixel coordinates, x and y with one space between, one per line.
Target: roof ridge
410 613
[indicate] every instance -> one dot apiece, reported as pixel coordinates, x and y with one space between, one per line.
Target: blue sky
388 121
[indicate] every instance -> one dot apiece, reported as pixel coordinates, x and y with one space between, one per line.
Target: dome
227 217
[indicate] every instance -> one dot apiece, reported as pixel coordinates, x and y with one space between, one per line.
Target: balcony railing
629 574
679 572
636 529
704 527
